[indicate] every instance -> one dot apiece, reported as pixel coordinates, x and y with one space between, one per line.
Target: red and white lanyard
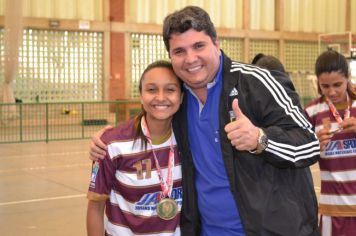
334 111
167 185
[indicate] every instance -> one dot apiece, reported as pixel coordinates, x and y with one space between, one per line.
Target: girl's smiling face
161 94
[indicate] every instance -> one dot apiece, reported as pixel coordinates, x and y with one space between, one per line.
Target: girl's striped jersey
127 180
337 163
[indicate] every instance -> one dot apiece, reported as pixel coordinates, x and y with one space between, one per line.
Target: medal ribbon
334 111
167 185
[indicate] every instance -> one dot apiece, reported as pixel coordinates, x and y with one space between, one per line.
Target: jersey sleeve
101 181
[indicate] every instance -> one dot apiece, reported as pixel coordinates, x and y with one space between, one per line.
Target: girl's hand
324 137
349 125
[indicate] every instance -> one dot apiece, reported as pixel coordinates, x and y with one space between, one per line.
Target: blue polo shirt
217 207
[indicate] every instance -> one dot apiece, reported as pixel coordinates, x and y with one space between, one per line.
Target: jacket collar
229 81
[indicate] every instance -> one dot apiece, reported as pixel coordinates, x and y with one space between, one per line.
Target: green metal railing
29 122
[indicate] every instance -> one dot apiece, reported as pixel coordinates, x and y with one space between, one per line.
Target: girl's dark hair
157 64
332 61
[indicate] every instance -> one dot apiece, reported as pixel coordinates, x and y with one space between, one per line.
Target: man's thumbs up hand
241 132
236 108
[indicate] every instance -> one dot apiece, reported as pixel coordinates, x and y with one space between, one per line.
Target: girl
333 118
139 180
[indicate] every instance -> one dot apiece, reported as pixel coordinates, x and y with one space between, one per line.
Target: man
245 147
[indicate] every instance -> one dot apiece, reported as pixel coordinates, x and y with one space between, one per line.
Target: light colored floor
316 178
43 188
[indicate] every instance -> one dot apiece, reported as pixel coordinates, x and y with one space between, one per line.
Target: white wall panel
86 9
255 16
224 13
335 20
353 16
142 9
239 12
199 3
299 15
319 16
341 10
26 8
158 10
306 16
133 11
63 9
291 15
229 14
294 15
2 7
175 5
267 15
315 16
41 8
286 16
213 7
66 9
98 9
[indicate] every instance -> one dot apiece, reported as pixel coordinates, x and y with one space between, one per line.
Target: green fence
28 122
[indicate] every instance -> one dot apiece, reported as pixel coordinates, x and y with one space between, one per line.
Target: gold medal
167 208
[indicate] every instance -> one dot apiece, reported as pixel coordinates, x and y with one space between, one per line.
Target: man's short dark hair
190 17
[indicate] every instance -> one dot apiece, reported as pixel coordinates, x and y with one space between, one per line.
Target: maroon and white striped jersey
127 180
337 163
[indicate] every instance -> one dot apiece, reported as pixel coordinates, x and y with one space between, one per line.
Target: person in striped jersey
333 118
139 180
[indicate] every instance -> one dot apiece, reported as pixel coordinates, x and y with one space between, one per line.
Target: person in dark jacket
268 62
277 70
244 142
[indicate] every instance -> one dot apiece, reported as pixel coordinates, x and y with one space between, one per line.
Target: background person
333 117
268 62
277 70
139 180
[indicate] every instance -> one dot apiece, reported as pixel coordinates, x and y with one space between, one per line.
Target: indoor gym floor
43 188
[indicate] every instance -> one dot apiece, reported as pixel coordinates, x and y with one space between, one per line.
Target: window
58 66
